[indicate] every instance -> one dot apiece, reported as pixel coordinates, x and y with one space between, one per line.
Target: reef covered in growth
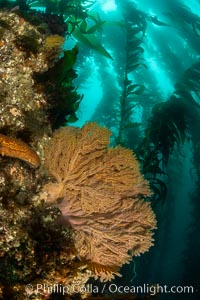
29 235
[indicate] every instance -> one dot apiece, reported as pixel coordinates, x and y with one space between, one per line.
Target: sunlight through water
108 5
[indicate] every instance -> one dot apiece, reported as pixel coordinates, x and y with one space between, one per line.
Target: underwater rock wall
31 244
23 53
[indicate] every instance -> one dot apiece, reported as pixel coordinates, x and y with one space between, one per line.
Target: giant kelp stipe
99 149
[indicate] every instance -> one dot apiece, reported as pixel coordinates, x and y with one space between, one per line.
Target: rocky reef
32 247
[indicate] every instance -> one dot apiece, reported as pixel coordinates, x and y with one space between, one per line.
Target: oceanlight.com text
150 289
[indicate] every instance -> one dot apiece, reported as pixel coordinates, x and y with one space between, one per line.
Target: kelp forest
99 149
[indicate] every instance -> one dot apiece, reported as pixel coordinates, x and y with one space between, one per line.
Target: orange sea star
16 148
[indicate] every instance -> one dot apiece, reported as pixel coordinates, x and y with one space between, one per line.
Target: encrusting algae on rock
99 191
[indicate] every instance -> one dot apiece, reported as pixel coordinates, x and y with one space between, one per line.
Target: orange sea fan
100 193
